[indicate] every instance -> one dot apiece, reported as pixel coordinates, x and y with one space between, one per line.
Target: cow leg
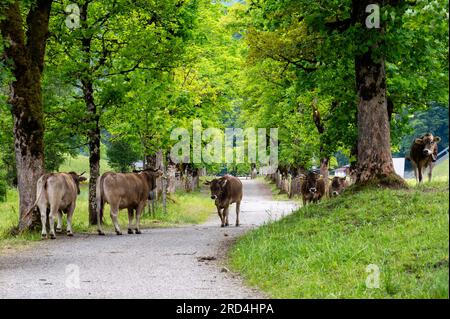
238 208
430 172
114 212
130 220
51 217
43 211
419 168
59 225
225 216
416 175
139 211
219 211
69 219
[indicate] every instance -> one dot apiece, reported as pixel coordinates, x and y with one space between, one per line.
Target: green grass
182 208
277 194
80 164
323 250
441 170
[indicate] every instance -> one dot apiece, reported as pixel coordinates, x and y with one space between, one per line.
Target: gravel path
159 263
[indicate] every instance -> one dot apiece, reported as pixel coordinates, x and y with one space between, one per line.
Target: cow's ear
223 182
437 139
320 176
330 178
418 141
207 182
82 178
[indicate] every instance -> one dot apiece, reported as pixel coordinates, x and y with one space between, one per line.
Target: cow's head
338 185
311 181
217 187
429 143
152 175
78 179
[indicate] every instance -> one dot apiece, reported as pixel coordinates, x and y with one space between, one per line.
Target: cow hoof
138 232
52 236
43 236
222 225
69 234
237 225
118 233
130 231
100 233
58 230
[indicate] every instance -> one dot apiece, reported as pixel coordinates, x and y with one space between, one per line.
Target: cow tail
42 185
100 203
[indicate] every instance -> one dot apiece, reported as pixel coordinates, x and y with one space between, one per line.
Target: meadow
329 250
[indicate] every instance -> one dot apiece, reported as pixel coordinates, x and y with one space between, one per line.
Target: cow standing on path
125 190
226 191
313 187
423 154
57 191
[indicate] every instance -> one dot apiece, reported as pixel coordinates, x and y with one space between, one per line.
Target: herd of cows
57 192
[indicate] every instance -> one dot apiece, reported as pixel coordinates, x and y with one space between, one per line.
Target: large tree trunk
374 140
26 98
94 150
93 132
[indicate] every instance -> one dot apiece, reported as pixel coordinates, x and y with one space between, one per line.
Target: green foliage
433 120
3 186
301 56
121 156
323 250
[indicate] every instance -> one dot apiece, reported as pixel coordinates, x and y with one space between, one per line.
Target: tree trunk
94 153
374 141
324 165
93 132
26 98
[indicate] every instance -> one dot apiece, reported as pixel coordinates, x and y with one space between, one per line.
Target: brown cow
226 191
313 187
423 154
338 185
125 190
58 193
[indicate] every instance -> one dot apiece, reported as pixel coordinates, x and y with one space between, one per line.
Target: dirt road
159 263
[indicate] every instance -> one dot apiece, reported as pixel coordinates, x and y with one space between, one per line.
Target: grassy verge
182 208
323 250
277 194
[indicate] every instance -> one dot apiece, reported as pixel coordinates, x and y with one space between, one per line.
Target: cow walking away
226 191
57 192
125 190
338 185
313 187
423 154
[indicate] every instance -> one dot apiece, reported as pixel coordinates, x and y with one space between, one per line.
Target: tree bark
93 119
94 149
26 97
374 141
324 166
